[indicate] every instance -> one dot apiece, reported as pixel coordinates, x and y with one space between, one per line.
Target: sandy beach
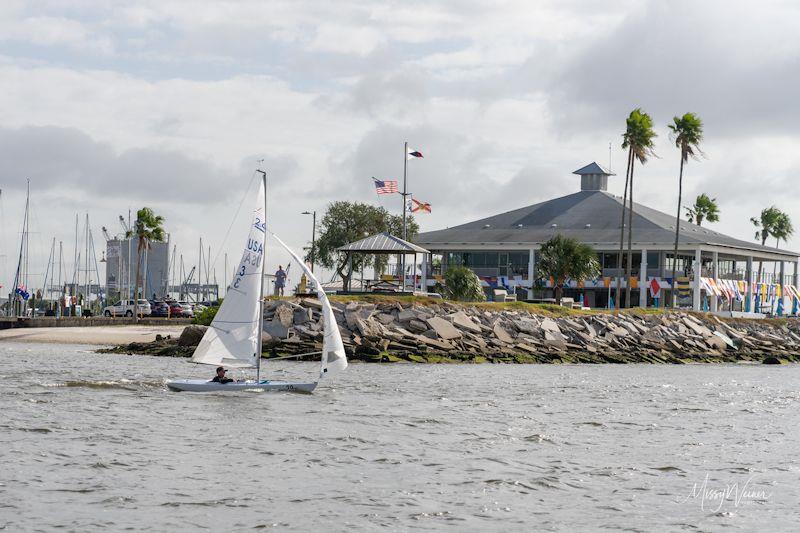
100 335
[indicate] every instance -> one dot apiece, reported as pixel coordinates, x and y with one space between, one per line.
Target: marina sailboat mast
261 282
20 288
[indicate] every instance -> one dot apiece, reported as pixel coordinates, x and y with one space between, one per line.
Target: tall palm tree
563 258
622 231
782 231
687 131
766 224
639 139
146 229
704 208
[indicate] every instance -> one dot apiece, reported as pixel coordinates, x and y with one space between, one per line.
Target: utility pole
313 234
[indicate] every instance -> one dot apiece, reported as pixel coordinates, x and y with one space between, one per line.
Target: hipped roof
590 216
383 243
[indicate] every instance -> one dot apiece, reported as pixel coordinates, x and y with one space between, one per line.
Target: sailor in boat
220 377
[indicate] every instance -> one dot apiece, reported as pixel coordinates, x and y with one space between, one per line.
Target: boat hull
201 385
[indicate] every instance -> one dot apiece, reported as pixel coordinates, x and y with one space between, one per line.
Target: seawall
435 331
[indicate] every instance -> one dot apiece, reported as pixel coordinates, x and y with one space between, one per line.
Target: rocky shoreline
433 331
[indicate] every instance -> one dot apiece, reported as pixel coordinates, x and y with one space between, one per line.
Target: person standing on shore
280 281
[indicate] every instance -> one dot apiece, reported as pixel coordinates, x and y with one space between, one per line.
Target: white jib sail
232 338
333 357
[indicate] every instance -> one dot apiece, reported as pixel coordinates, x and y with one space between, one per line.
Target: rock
527 325
771 361
406 314
385 318
311 303
550 325
443 328
716 343
285 315
697 328
554 340
461 320
368 328
276 329
301 316
501 334
417 326
191 335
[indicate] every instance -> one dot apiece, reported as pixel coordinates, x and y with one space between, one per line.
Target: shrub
205 316
463 285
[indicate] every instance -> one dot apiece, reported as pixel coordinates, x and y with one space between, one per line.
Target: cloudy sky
108 106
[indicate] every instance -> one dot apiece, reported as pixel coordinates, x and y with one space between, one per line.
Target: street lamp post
313 234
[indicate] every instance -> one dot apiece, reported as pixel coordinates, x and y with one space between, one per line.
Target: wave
122 384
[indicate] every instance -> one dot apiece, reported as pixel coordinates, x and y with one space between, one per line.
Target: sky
110 106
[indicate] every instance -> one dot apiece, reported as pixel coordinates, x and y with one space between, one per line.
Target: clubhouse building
715 271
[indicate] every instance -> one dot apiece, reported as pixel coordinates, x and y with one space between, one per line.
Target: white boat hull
201 385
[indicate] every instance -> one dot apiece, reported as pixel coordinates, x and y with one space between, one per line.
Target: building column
531 271
696 285
749 296
715 275
795 273
425 273
643 280
781 282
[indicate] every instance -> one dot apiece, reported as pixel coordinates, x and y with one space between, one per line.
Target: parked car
159 309
188 310
125 308
175 309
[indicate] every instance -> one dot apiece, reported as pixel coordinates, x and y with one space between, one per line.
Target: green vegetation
562 258
147 228
704 208
346 222
687 131
772 223
461 284
639 140
206 316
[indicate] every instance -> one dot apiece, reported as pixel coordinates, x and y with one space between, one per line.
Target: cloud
68 159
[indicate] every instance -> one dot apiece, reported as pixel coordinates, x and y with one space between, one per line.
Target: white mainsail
334 358
232 338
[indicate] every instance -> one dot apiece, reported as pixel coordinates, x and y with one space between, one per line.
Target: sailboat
234 337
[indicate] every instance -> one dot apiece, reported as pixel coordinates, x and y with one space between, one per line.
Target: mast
403 256
73 289
199 270
49 271
27 236
86 271
19 275
261 285
128 260
60 286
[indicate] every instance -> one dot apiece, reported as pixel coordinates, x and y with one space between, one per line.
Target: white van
125 308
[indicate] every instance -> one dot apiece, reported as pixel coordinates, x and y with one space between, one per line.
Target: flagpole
405 176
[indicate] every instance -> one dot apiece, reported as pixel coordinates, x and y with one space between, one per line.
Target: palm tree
687 131
563 258
782 231
766 224
147 228
704 208
639 139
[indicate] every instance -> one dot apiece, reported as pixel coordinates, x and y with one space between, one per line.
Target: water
94 442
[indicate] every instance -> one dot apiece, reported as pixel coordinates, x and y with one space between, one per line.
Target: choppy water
95 442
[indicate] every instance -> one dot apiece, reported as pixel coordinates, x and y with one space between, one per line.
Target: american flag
385 186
